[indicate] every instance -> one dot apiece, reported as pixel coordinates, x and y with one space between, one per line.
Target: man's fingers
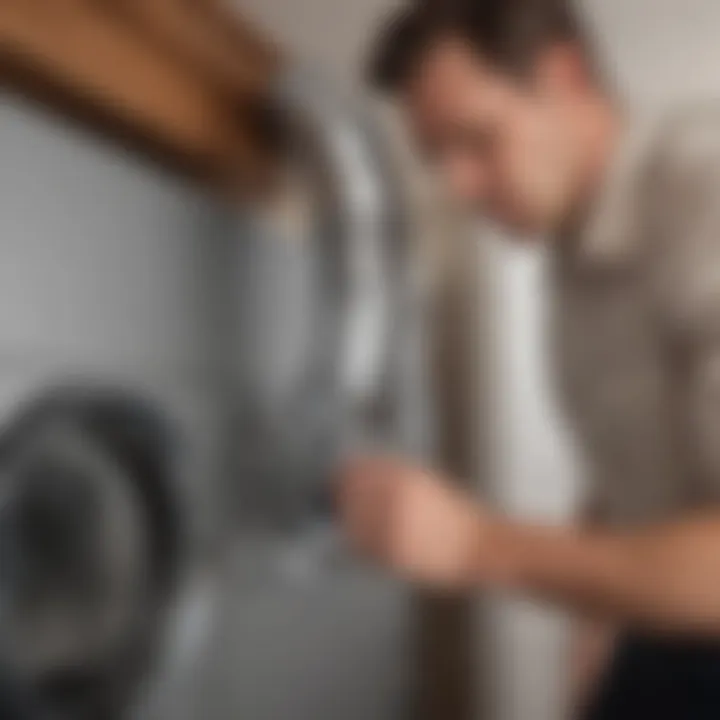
366 507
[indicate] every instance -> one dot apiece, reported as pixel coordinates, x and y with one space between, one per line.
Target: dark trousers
661 680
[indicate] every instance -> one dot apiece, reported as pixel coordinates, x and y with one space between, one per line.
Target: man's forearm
431 533
667 578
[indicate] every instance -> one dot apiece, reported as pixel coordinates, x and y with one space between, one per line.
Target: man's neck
603 123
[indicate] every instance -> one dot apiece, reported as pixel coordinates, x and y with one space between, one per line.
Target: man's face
504 147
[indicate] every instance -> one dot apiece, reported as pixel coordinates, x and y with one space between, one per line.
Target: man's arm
665 577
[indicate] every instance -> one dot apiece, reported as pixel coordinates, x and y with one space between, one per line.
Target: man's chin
523 228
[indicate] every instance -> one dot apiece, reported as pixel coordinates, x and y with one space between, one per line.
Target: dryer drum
320 302
91 546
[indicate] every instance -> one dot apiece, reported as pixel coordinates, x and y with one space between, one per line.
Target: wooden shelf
178 80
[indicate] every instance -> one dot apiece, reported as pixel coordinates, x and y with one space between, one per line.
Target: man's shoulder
680 182
685 216
687 139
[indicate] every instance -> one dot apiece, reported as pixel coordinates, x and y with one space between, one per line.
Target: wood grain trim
239 33
187 31
77 57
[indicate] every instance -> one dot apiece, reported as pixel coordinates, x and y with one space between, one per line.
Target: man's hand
664 577
414 523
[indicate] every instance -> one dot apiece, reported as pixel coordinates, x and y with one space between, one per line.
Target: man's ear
562 69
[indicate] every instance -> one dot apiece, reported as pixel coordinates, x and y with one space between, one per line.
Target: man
507 100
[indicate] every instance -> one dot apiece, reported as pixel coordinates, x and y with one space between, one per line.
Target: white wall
661 51
334 34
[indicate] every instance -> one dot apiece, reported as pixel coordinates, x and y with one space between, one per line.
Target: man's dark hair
508 33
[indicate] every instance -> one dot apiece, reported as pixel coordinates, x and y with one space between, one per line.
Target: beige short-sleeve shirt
636 322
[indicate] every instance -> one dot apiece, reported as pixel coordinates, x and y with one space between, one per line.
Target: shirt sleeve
688 285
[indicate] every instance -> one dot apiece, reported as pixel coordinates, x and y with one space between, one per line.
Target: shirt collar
611 235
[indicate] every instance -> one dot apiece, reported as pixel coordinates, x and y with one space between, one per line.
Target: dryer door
90 549
320 274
